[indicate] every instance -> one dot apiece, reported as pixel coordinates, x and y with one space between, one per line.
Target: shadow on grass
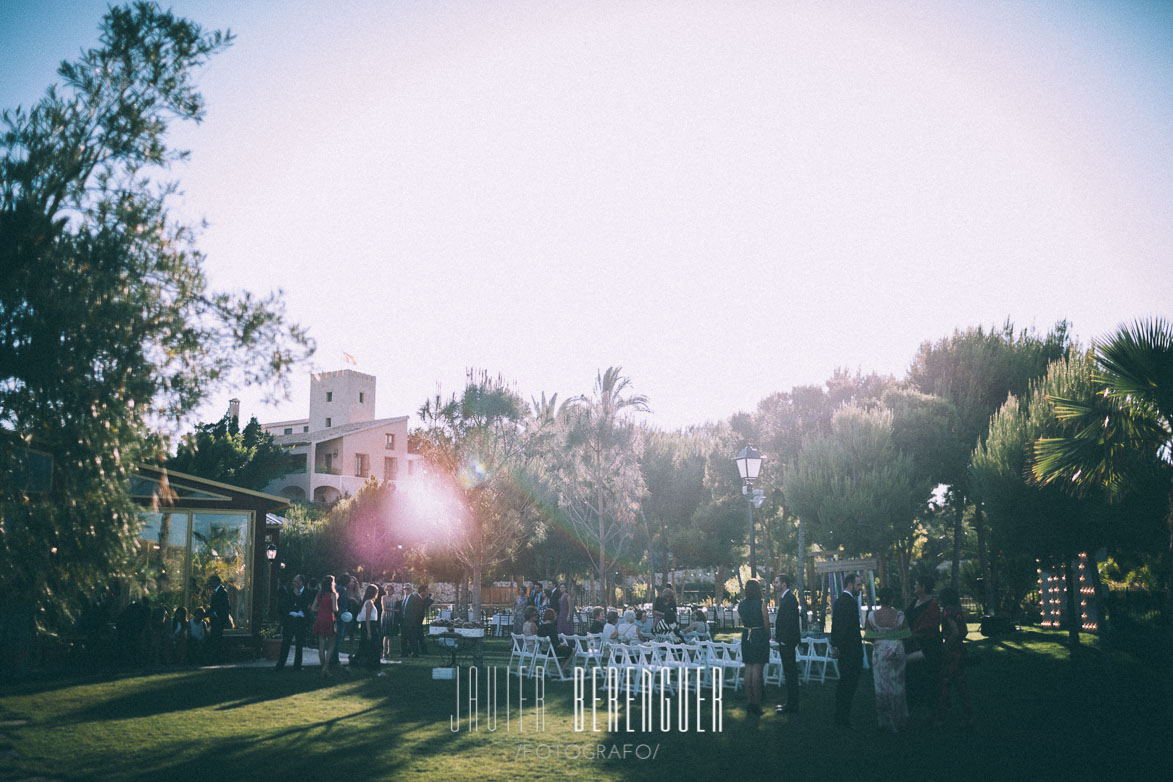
1037 714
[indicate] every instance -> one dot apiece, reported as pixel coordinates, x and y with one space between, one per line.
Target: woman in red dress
326 604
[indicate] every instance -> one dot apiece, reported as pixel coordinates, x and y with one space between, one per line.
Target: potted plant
271 640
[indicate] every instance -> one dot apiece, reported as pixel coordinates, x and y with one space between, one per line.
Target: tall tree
673 467
976 369
475 444
110 330
855 489
597 472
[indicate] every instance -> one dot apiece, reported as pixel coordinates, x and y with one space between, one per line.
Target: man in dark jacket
293 605
847 647
787 633
414 610
221 615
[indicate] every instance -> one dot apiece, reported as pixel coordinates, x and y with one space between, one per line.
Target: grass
1040 713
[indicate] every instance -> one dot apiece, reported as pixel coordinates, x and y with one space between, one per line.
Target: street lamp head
270 551
749 463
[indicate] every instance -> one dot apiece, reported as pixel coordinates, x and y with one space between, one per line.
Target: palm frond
1136 363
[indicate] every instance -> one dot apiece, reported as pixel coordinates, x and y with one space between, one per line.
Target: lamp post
270 555
749 464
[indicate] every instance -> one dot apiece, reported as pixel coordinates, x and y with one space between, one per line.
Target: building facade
341 444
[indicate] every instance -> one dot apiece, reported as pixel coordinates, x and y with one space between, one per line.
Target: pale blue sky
727 199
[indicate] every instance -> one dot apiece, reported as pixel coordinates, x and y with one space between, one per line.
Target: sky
725 199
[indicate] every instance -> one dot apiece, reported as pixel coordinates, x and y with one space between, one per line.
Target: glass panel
220 546
163 542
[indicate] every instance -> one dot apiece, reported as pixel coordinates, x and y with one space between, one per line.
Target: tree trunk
984 561
1167 607
476 592
799 575
718 585
958 515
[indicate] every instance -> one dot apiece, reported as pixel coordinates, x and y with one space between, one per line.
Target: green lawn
1040 714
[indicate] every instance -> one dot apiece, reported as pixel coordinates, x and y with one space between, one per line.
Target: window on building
289 430
390 468
329 396
305 429
360 397
390 442
181 550
328 420
362 465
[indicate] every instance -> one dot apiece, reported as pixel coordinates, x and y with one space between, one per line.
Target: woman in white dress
887 629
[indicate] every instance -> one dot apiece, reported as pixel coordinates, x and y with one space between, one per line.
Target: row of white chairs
531 654
813 658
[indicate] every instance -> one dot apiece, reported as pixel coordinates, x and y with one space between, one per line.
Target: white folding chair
582 651
547 659
773 673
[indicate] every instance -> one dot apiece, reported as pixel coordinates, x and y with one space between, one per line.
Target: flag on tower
349 359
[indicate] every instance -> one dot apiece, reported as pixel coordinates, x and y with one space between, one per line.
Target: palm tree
599 471
1122 437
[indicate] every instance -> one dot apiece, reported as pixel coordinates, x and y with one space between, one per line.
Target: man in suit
847 647
414 611
292 607
221 613
406 642
786 633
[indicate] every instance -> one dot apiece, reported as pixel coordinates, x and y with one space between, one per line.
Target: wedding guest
367 621
664 613
348 605
197 635
597 621
520 602
389 613
885 624
556 593
415 609
645 624
406 639
292 609
787 633
549 629
610 631
566 608
755 643
325 606
923 649
180 636
953 662
698 627
157 635
221 617
846 647
628 630
530 625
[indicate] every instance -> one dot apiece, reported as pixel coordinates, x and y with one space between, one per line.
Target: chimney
234 409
